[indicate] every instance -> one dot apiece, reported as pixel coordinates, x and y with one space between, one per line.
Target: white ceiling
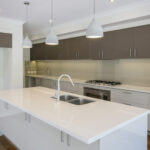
65 11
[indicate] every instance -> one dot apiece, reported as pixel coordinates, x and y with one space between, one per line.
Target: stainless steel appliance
97 93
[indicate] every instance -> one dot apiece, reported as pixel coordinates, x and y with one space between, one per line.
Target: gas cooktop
103 82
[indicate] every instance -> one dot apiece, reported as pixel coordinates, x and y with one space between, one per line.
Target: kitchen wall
11 60
5 64
128 71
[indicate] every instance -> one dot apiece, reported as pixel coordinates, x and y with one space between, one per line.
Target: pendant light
94 29
27 42
52 38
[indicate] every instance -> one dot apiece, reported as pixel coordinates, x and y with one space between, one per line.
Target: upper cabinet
119 44
108 50
38 52
78 48
124 43
62 50
95 49
6 40
142 41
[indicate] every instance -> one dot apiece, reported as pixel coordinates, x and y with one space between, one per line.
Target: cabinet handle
62 137
26 116
130 52
99 54
29 118
135 52
78 54
68 140
102 54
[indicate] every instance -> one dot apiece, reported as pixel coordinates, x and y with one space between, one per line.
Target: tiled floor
5 145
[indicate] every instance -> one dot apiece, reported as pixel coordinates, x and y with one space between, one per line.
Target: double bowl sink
75 100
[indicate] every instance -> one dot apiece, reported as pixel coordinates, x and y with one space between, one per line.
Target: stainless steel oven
97 93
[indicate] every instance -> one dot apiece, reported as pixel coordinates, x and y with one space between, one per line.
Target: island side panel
131 137
30 133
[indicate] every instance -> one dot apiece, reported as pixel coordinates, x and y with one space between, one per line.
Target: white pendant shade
27 43
52 39
94 30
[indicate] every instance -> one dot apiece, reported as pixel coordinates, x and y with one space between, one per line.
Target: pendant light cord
51 21
94 8
27 14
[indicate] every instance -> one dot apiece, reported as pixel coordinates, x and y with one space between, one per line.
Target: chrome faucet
58 92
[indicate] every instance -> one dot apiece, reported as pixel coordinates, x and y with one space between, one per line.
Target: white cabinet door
42 136
138 99
122 96
12 125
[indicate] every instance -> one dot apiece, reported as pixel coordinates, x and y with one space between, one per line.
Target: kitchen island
33 120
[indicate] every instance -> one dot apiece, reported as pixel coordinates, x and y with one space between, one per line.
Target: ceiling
64 10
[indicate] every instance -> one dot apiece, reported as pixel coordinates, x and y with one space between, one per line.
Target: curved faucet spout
59 79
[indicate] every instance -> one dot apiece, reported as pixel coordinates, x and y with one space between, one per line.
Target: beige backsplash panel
128 71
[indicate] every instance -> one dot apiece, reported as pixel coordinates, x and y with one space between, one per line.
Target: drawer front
141 100
132 98
122 96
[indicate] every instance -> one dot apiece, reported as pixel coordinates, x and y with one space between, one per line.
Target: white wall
11 60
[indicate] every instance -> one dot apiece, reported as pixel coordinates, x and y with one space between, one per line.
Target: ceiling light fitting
27 42
52 38
94 29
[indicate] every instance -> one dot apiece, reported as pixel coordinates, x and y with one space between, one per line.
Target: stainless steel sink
67 97
80 101
74 100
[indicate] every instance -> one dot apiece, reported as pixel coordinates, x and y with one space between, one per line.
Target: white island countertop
87 123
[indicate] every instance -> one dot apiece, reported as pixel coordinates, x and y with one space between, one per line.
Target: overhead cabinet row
5 40
119 44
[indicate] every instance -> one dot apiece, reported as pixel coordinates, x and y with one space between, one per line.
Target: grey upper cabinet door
63 50
73 48
107 49
78 48
38 52
51 52
6 40
124 43
95 49
142 42
82 47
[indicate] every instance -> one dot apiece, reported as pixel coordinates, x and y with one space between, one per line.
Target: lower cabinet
29 133
132 98
65 85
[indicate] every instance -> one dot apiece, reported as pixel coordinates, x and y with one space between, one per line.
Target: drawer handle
62 137
68 140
